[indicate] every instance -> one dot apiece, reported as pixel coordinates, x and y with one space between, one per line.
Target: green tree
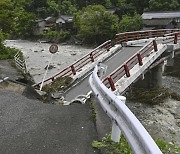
6 16
67 8
131 23
124 8
163 5
53 7
24 22
139 5
95 25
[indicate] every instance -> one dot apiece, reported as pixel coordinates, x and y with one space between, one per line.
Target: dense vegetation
94 24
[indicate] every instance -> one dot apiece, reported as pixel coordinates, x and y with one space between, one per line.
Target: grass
167 148
123 147
111 147
58 84
93 115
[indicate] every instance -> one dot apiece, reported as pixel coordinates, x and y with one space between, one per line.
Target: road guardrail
136 135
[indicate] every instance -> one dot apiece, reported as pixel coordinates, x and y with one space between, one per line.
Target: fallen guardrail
20 63
138 138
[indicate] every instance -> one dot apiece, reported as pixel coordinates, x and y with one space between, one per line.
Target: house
40 25
161 20
44 25
64 22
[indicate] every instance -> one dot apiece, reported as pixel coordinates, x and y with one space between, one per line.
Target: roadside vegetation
58 84
123 147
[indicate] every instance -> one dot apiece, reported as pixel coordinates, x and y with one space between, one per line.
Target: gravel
161 120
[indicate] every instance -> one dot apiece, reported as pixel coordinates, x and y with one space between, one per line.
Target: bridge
129 48
125 65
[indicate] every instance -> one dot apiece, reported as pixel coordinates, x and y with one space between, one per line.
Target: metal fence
20 62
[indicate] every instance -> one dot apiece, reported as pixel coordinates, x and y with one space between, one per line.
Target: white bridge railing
122 118
20 64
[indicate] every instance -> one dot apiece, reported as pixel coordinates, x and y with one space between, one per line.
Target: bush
131 23
56 36
58 84
6 52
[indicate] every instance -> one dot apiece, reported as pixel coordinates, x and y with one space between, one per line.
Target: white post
116 132
46 72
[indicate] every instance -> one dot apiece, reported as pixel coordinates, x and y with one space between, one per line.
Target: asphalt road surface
31 127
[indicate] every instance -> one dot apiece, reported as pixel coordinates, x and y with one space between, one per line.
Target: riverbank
161 120
37 56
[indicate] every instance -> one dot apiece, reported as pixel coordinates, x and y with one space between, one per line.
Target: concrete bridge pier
172 66
170 60
152 78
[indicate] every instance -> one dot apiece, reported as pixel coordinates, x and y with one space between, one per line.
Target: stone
50 67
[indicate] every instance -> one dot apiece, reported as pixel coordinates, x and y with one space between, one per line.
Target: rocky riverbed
161 120
37 56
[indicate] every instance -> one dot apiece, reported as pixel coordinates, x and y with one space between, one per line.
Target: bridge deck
82 88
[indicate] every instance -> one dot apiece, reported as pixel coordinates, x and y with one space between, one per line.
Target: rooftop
64 18
156 22
158 15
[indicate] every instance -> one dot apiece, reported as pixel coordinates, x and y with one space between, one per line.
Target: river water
37 56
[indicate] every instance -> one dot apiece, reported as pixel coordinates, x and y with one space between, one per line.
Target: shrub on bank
56 36
6 52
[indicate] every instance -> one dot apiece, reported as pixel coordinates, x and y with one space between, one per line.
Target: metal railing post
111 84
139 59
175 38
116 132
126 37
91 56
126 70
73 70
155 45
